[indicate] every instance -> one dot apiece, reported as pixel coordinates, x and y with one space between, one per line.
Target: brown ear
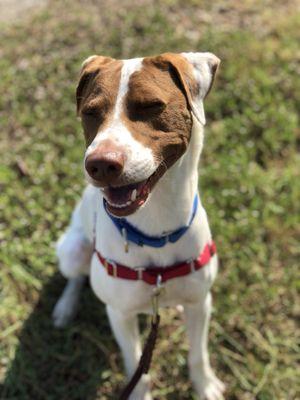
89 70
196 72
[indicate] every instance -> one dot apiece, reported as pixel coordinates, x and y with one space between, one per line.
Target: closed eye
153 106
91 111
95 108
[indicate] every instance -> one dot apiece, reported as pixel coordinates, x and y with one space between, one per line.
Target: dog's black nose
105 166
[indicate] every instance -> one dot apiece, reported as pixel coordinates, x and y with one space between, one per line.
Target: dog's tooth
120 205
133 195
115 205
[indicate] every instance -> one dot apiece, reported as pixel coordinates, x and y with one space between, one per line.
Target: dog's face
137 120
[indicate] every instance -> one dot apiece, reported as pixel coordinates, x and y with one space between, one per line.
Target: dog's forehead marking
128 68
110 131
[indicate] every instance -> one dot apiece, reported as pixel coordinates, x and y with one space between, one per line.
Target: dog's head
137 120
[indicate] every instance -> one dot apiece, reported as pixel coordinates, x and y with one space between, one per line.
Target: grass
249 185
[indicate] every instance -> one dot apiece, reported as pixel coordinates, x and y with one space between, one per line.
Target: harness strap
150 275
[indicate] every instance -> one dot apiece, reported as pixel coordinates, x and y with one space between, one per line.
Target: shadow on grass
75 363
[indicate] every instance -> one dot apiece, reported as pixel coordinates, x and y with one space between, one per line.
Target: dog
143 123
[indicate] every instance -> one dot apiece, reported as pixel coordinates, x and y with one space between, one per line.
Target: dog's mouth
124 200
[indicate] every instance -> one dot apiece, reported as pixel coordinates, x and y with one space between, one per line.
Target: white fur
202 68
167 208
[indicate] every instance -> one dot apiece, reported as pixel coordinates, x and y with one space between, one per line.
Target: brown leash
145 360
146 357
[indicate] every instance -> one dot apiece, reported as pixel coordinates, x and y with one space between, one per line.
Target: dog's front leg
206 384
74 251
126 332
66 307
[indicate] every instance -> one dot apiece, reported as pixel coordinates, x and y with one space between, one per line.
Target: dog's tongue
124 194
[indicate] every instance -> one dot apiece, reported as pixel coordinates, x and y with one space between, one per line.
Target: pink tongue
121 195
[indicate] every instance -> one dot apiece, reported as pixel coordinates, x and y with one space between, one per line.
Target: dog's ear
196 73
89 70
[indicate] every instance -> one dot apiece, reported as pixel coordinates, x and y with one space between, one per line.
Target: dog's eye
151 106
93 112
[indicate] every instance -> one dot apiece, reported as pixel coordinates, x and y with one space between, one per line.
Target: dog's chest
135 296
113 246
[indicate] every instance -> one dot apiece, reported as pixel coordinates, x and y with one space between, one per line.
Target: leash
146 357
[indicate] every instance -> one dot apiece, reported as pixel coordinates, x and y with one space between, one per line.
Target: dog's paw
63 312
209 387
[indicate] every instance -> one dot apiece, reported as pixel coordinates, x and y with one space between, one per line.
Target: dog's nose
105 166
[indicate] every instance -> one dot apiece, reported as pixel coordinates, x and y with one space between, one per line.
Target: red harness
151 275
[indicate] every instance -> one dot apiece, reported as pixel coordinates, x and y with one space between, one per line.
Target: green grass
249 184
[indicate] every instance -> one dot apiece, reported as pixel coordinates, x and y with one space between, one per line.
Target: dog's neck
170 205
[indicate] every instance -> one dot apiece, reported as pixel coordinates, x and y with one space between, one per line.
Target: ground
249 184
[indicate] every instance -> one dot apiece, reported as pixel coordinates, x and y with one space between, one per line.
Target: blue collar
132 234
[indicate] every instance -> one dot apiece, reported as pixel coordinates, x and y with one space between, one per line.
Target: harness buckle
192 265
159 281
139 271
105 263
159 286
155 295
115 268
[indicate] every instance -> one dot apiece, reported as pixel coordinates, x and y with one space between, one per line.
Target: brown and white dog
143 124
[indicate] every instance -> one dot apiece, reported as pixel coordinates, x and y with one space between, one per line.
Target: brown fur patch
184 72
156 107
96 94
